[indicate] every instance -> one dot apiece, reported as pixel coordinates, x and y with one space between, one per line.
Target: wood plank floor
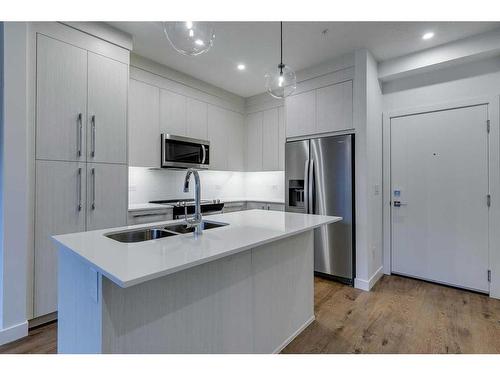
399 315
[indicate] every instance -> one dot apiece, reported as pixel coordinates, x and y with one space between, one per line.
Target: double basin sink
146 234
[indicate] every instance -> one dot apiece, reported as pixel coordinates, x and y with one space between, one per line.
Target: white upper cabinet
236 145
254 125
218 137
173 113
334 107
61 100
144 125
196 119
301 114
270 140
324 110
107 108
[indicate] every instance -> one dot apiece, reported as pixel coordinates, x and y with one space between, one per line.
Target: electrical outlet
218 187
376 189
275 187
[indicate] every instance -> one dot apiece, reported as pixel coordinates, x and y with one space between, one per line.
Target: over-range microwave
184 152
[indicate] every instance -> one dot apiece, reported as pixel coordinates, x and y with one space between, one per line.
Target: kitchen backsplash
152 184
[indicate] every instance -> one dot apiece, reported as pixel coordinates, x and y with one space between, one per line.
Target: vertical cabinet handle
80 126
93 188
311 187
79 187
306 187
92 151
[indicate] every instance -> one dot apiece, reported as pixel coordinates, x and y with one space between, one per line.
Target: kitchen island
245 287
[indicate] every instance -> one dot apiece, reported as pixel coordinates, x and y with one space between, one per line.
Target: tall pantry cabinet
81 174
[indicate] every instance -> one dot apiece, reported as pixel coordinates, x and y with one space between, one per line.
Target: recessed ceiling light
241 66
427 36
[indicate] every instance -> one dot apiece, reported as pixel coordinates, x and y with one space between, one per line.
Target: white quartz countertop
128 264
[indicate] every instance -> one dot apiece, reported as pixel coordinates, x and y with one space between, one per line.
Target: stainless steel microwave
183 152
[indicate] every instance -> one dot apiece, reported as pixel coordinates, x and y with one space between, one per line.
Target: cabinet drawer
144 217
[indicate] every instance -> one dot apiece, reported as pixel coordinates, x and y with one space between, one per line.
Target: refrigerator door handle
306 187
311 187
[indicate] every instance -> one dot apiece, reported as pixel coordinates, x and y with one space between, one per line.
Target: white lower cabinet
149 216
60 209
72 197
265 206
107 195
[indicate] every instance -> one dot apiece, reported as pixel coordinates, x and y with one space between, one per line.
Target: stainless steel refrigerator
319 179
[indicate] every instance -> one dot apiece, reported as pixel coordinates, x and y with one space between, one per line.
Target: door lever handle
399 204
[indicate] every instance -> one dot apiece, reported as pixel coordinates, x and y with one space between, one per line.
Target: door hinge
489 275
488 126
488 200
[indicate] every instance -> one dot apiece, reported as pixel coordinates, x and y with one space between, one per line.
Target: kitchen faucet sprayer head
186 180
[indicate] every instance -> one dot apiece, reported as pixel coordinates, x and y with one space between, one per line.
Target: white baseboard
368 284
13 333
294 335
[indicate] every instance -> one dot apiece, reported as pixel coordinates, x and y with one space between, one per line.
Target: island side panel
79 305
205 309
253 302
283 287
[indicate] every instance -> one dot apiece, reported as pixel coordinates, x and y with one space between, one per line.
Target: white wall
472 80
374 152
153 184
368 170
14 184
465 81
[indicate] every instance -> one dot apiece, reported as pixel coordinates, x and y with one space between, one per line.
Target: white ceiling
256 44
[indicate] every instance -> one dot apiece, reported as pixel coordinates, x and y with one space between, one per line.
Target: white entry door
439 188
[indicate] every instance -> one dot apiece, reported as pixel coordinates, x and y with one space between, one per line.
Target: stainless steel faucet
196 221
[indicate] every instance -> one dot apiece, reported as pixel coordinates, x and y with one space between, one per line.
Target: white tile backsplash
152 184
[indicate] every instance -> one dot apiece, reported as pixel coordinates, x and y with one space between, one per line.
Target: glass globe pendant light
190 38
280 80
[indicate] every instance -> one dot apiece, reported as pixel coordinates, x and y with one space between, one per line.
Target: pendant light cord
281 48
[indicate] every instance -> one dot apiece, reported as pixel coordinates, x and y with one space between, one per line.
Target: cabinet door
254 141
59 209
196 119
281 138
107 110
236 145
61 100
107 195
301 114
172 113
144 125
217 134
334 107
270 140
